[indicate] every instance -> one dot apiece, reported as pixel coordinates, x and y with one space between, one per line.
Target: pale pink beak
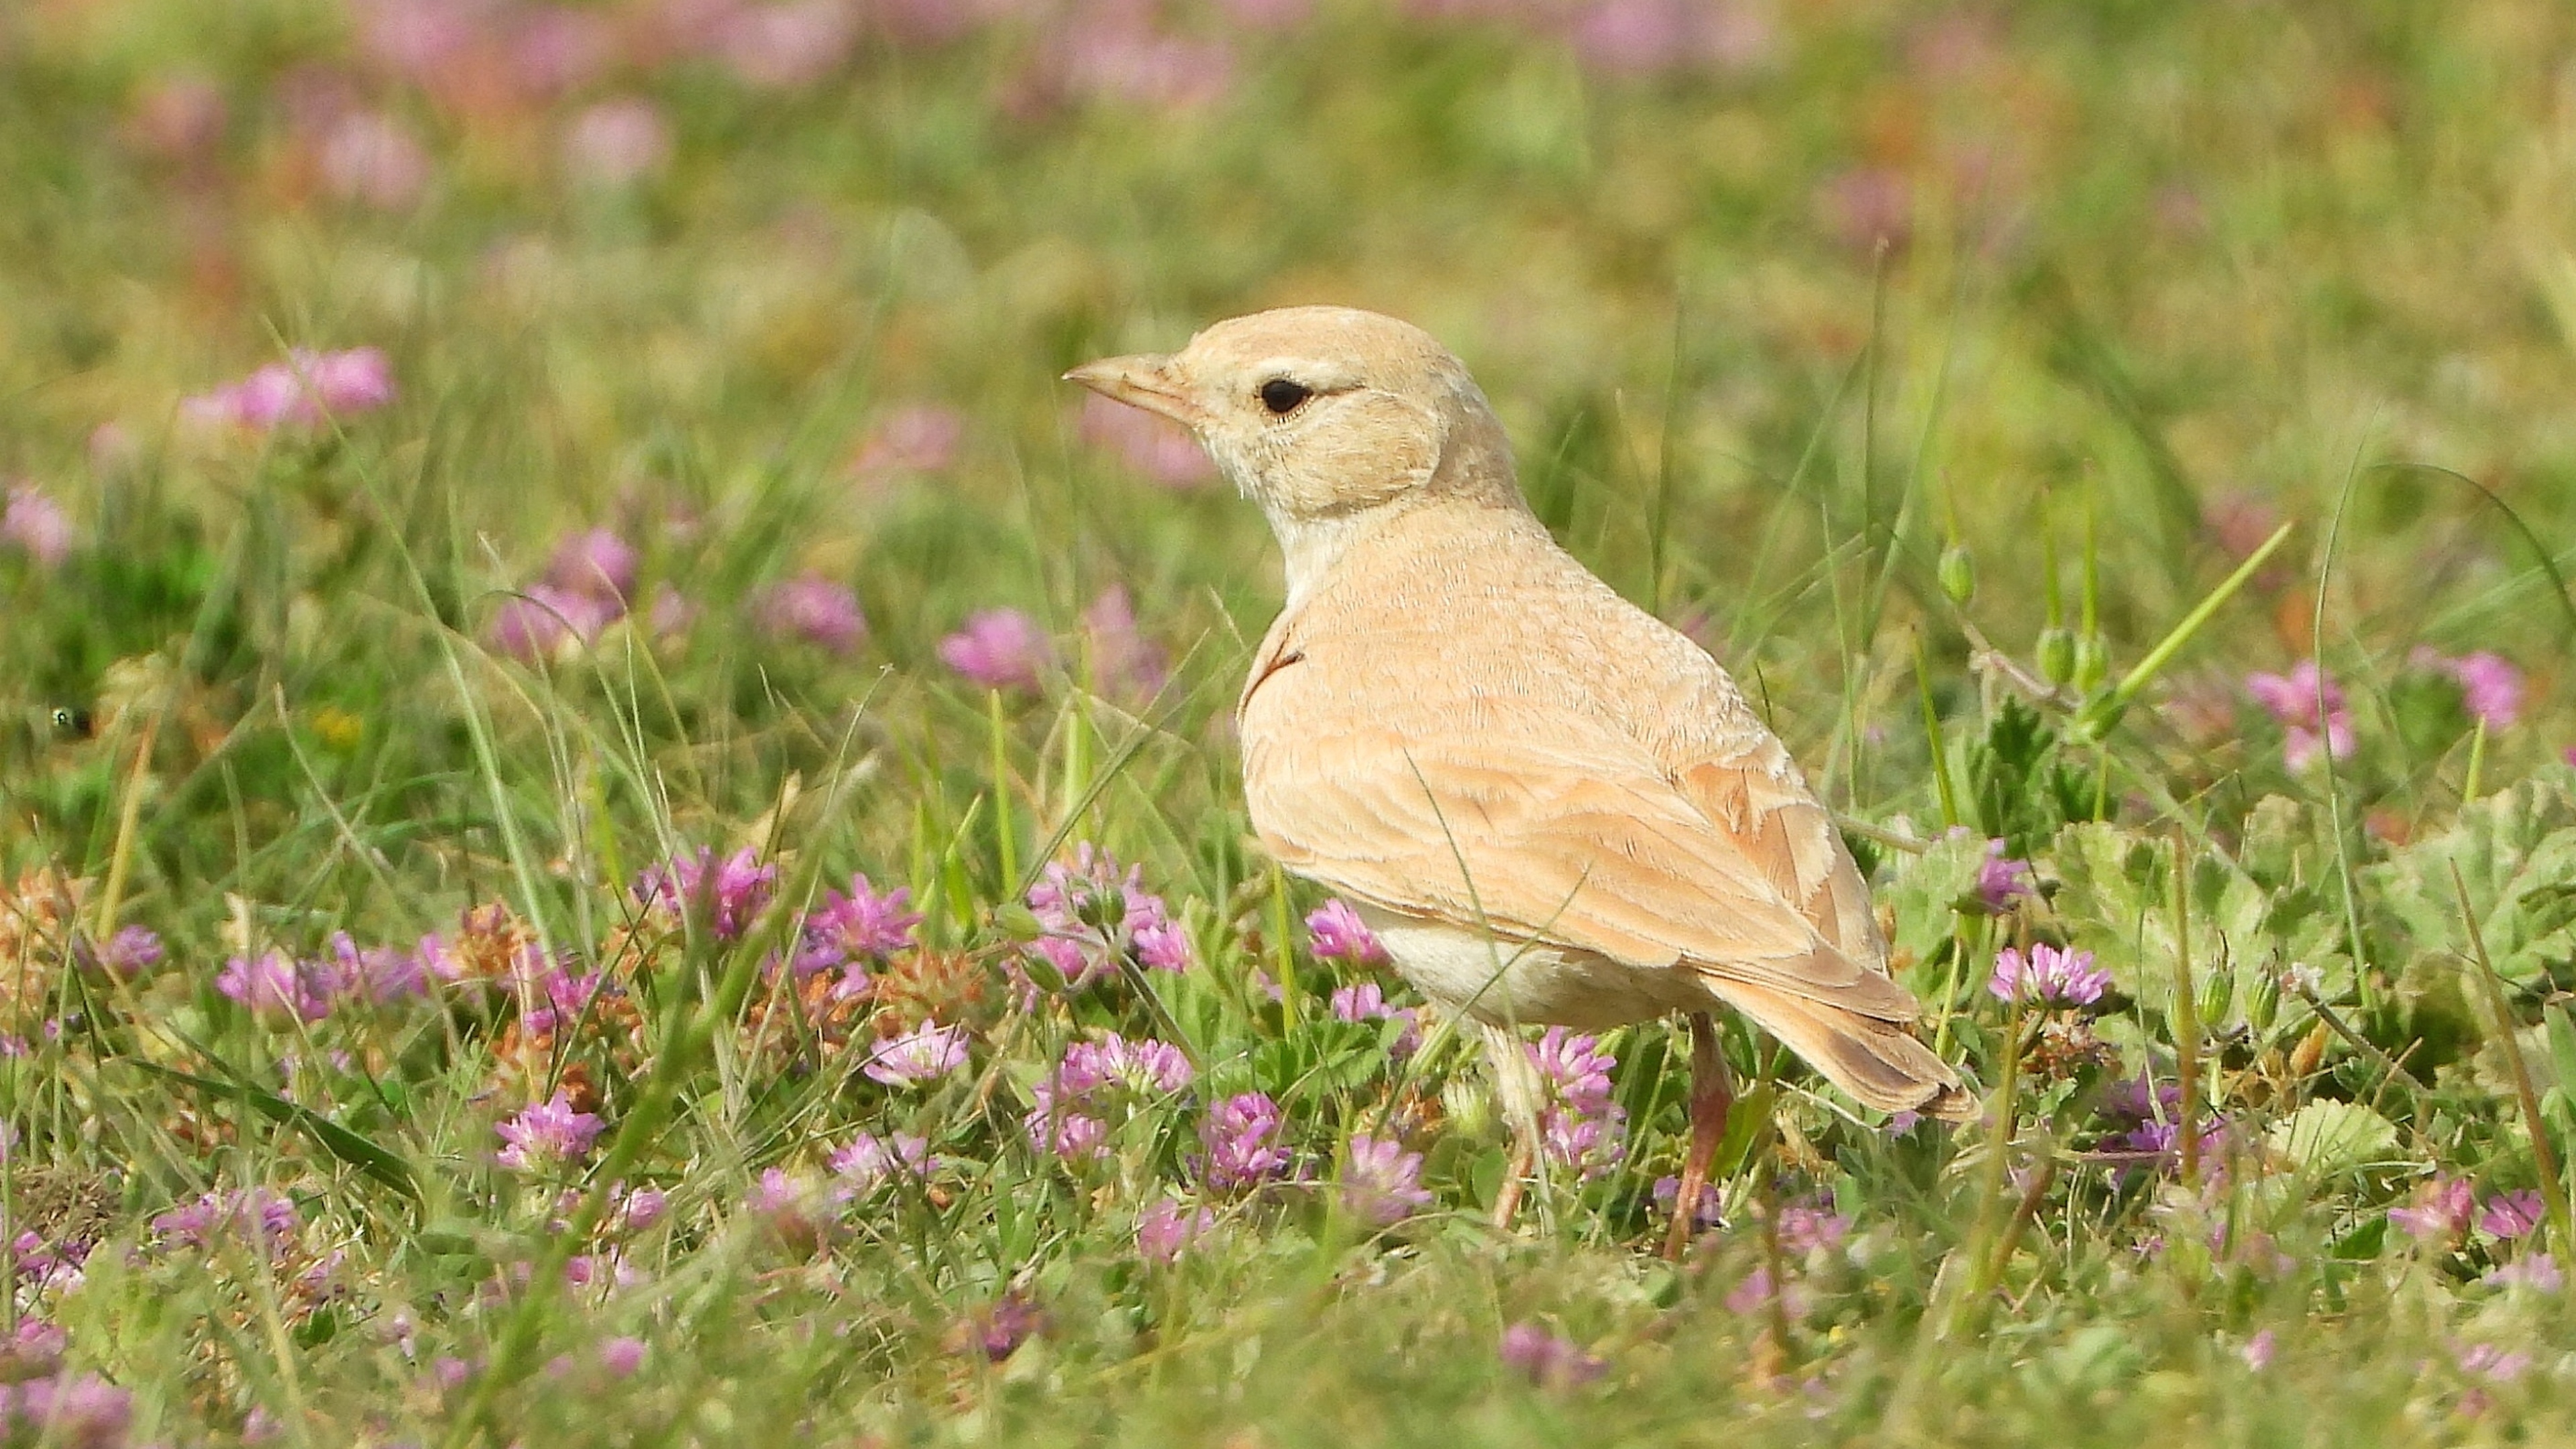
1143 381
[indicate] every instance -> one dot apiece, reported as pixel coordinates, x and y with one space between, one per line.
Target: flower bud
1958 573
2056 655
2092 663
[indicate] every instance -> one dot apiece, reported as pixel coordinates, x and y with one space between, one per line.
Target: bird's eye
1282 396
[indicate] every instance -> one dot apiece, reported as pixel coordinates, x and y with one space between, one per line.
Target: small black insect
1282 396
68 720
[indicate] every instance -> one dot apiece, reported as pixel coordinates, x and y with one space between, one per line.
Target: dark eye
1282 396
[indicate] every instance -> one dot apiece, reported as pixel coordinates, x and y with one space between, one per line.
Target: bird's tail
1878 1061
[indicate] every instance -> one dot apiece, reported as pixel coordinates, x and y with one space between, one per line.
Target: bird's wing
1554 828
1751 791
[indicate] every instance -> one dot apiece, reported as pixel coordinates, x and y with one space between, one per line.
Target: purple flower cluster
1579 1126
1367 1002
854 929
812 609
2292 699
999 649
1070 1106
1166 1230
548 1136
924 1054
267 1219
589 585
35 526
1335 932
2002 881
1096 915
281 989
2490 686
1381 1183
302 390
2143 1117
2048 976
1241 1136
1547 1359
79 1411
869 1161
723 896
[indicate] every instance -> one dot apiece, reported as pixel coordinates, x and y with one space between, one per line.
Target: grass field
618 816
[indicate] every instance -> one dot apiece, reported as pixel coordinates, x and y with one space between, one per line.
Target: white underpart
1503 984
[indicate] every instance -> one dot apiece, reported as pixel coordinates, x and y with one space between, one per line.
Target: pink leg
1712 1097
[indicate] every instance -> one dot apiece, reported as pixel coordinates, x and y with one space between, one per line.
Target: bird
1551 807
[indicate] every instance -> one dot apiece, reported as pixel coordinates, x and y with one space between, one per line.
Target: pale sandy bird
1550 806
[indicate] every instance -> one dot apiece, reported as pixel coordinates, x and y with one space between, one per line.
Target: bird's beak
1145 382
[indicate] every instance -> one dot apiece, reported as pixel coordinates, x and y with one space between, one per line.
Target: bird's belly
1507 984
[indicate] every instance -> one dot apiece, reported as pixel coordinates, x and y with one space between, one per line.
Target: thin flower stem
2553 1189
2186 1017
2477 762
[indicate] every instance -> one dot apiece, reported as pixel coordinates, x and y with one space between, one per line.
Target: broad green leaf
2515 852
1927 892
2323 1139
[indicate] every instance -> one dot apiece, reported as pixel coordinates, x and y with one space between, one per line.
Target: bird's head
1320 414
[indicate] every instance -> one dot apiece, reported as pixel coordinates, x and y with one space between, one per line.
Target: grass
2153 283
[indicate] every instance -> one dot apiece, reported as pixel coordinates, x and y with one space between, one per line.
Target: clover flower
131 952
1123 660
1335 932
1241 1137
869 1160
1094 915
2490 685
595 562
1070 1106
726 895
853 928
547 1135
998 649
2292 699
920 438
813 609
1367 1002
265 1218
301 391
1381 1183
2510 1215
277 988
1167 1229
2048 975
926 1053
36 526
2442 1210
2002 881
1546 1359
1579 1126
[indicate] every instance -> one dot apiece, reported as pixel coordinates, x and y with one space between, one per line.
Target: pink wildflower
1094 916
620 1357
2002 881
1167 1229
256 1214
2536 1271
814 609
301 390
726 895
1241 1135
2490 686
277 988
548 1135
998 1331
1381 1182
1123 661
2292 700
2049 975
2257 1351
1367 1002
2510 1214
870 1160
617 143
788 46
998 649
853 928
595 562
36 526
926 1053
547 621
1335 932
371 158
1546 1359
2442 1210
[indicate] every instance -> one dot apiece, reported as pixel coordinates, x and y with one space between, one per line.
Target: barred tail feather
1877 1061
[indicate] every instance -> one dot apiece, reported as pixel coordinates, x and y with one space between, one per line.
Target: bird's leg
1516 1084
1712 1097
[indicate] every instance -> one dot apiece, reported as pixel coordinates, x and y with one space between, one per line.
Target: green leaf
2516 855
1927 892
2326 1139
